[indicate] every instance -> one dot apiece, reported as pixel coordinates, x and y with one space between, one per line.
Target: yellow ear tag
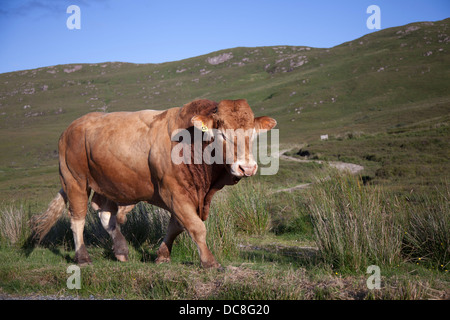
204 127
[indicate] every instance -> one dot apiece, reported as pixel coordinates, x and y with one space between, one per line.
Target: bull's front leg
187 215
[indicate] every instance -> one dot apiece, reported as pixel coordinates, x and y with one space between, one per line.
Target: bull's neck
204 173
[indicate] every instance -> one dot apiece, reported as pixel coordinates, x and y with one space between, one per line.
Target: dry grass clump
13 223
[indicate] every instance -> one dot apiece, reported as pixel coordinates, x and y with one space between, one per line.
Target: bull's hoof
162 259
82 260
122 257
212 265
82 257
84 263
163 254
120 248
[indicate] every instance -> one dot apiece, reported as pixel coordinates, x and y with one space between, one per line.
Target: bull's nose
248 170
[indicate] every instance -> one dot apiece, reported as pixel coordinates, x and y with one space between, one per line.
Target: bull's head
235 127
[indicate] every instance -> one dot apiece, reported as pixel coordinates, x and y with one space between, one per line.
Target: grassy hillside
383 100
389 80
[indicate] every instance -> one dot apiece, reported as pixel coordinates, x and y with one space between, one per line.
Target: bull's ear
264 123
203 123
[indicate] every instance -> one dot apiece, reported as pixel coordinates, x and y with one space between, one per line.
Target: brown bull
126 157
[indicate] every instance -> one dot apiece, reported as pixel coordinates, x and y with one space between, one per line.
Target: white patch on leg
108 221
77 227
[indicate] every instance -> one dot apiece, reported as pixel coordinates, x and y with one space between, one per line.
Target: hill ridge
383 80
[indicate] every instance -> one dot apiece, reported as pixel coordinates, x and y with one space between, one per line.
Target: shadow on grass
31 243
56 251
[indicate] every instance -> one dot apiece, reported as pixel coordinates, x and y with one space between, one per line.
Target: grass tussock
355 226
146 225
427 232
13 224
249 204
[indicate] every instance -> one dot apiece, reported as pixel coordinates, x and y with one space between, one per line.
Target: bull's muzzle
240 169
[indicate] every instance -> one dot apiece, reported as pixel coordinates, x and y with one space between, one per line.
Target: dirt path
339 165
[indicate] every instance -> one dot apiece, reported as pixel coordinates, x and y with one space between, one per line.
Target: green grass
44 272
352 225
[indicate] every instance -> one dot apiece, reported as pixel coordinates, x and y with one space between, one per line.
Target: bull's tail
42 224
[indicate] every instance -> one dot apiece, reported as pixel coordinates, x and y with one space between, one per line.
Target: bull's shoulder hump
157 117
150 112
120 118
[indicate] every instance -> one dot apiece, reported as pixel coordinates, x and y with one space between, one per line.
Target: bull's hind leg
78 201
108 213
173 230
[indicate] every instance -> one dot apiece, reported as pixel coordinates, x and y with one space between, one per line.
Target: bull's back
110 152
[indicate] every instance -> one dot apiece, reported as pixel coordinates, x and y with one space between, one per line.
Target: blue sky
33 33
